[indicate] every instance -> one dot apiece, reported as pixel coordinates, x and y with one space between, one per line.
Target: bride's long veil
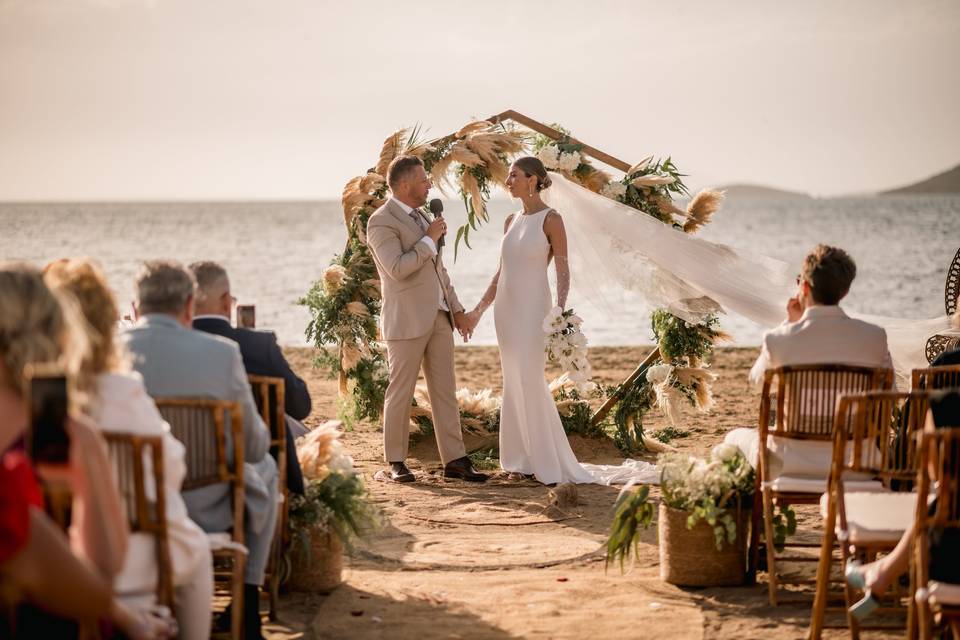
614 249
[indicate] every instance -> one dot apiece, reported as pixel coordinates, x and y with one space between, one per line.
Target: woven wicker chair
202 425
874 441
805 398
268 392
937 602
936 344
146 514
943 377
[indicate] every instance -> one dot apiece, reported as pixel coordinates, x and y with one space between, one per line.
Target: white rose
724 452
614 190
659 373
549 156
569 161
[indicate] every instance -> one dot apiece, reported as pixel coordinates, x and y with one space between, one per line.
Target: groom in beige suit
420 311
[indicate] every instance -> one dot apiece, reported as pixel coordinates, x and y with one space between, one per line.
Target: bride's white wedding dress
532 439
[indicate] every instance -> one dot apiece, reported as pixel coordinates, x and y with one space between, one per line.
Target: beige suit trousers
434 351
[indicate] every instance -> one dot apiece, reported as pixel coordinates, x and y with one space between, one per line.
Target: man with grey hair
174 360
262 355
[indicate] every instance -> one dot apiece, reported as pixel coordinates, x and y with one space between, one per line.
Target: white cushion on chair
944 593
799 484
223 541
875 516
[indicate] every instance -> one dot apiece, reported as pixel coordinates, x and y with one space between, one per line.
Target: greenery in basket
338 504
711 491
335 499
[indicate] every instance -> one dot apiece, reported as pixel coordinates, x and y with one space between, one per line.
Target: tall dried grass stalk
390 149
701 209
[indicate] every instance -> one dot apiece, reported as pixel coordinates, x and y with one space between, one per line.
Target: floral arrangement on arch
345 302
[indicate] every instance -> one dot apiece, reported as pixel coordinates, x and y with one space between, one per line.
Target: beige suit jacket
822 335
411 276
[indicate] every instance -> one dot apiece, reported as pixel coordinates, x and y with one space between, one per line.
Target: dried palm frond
701 209
483 144
596 180
459 152
439 174
499 171
469 186
670 399
666 206
420 412
358 309
474 126
561 383
652 180
371 182
699 380
481 403
390 150
640 166
352 199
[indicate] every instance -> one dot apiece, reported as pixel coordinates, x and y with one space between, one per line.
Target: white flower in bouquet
549 156
577 339
575 320
659 373
554 321
614 190
724 452
569 161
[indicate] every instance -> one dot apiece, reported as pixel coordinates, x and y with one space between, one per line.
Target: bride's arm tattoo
489 295
557 235
563 280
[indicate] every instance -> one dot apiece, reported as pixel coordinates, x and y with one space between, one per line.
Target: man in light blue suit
175 360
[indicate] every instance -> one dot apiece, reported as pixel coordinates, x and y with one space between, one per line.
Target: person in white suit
816 331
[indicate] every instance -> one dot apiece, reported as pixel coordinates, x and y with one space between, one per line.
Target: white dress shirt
427 240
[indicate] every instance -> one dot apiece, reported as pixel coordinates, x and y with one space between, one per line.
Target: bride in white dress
532 439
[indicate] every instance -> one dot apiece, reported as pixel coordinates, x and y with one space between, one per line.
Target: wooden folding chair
145 513
268 392
806 398
203 426
868 505
942 377
937 602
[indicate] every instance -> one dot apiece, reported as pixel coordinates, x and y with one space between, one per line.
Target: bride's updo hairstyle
533 167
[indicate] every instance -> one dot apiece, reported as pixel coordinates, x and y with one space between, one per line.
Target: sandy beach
456 560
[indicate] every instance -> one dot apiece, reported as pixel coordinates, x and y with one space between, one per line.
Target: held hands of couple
466 323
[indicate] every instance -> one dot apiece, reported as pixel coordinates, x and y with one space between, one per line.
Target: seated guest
38 571
261 354
119 403
951 354
174 360
816 331
876 577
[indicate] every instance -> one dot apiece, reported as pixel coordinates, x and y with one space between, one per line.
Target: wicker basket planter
318 569
689 557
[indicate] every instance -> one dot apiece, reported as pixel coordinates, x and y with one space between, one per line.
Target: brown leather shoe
400 473
462 469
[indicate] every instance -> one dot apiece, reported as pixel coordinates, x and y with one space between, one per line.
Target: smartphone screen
49 441
246 316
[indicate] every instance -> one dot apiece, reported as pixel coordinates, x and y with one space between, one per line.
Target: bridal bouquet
567 346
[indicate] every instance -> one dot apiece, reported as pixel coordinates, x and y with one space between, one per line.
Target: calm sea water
273 251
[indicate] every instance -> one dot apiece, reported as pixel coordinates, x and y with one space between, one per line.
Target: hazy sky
226 99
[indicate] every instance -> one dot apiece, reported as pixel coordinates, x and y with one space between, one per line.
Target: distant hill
758 191
946 182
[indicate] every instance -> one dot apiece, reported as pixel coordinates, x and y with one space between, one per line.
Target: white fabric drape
614 248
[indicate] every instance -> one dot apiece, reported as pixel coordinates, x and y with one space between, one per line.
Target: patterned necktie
417 218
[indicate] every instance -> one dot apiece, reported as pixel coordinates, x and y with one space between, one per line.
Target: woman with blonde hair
38 326
119 402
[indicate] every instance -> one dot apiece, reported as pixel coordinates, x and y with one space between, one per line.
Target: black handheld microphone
436 208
